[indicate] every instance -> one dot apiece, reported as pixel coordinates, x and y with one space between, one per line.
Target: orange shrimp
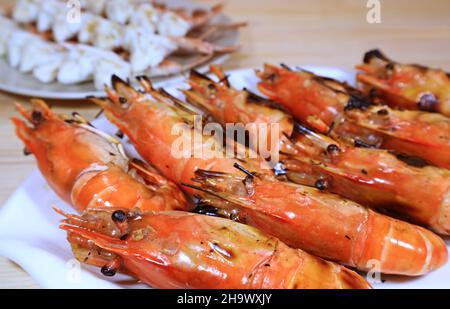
89 169
337 109
185 250
303 217
325 225
154 139
408 86
228 105
373 177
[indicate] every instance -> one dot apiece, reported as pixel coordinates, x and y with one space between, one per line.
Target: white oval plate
13 81
29 233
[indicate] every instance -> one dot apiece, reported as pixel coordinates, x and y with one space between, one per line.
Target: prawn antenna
242 169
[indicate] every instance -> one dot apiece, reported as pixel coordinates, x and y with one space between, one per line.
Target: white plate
29 233
13 81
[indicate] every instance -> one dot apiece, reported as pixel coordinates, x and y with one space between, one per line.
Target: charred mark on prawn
361 144
410 160
373 93
26 151
203 208
374 53
256 99
357 102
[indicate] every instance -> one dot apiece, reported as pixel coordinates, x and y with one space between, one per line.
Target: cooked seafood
408 86
141 33
88 169
131 116
183 250
324 224
298 215
66 63
336 109
373 177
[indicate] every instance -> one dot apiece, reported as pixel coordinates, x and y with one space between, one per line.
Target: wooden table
315 32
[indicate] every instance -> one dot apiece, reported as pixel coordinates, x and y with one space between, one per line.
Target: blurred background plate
13 81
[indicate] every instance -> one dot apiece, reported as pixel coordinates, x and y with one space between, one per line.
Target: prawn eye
37 117
272 77
108 271
212 88
119 216
333 149
322 184
122 100
428 102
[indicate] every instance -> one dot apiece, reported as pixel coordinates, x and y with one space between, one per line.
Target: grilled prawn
184 250
325 225
373 177
89 169
334 108
303 217
408 86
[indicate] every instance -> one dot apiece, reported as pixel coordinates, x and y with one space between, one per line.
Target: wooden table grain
297 32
